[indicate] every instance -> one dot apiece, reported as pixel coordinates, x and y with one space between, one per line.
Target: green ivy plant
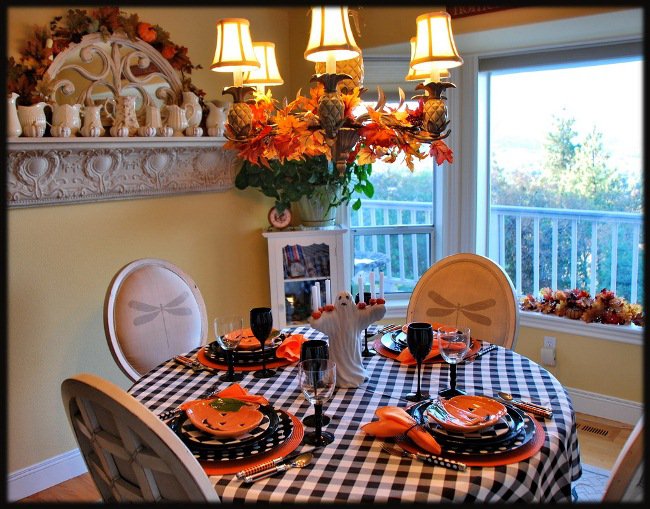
289 181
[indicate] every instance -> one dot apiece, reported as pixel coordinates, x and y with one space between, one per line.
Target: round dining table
355 468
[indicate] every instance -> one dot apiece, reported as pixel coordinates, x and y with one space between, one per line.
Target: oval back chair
626 482
152 312
132 455
468 290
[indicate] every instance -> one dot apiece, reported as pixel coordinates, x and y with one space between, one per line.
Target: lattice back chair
152 312
626 481
468 290
130 453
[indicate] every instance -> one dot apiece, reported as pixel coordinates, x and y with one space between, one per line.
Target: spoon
526 405
301 461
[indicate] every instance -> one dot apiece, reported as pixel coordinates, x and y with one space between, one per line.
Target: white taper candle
381 285
318 294
372 284
328 291
360 289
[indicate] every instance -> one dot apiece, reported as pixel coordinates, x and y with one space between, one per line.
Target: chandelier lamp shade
268 73
331 121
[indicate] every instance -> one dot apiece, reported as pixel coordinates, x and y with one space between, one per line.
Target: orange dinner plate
224 424
467 413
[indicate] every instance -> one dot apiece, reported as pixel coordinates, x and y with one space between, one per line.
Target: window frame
465 221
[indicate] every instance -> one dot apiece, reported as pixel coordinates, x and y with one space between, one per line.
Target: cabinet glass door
304 266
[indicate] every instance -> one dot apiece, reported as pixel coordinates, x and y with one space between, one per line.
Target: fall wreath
25 76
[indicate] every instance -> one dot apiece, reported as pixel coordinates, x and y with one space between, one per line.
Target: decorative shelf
50 171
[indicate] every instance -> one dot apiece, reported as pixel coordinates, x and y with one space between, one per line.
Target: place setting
470 430
259 348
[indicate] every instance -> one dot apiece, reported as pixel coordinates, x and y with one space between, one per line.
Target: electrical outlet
549 342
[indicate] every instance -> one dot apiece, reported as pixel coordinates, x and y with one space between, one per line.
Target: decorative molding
46 171
605 407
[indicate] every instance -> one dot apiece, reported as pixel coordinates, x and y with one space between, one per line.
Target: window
393 232
564 161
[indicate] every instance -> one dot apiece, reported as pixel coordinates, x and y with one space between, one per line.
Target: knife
271 463
480 353
430 459
195 365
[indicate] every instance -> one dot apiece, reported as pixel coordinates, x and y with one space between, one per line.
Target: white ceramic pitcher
216 121
66 115
92 126
13 124
32 119
174 117
122 113
192 108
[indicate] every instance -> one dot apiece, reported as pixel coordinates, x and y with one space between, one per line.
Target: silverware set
429 459
267 469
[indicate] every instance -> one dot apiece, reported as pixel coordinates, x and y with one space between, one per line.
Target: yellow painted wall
61 258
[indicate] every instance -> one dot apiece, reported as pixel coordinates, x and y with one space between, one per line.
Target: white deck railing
537 246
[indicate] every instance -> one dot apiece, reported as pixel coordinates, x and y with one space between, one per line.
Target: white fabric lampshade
268 73
414 75
330 35
434 43
234 50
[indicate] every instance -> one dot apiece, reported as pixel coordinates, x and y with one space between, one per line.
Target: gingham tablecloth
354 468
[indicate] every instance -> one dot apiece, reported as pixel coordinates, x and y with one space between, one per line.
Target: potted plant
311 184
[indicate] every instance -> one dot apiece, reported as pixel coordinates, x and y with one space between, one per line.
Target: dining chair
468 290
152 312
132 455
626 481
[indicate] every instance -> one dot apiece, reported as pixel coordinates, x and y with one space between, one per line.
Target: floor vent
602 430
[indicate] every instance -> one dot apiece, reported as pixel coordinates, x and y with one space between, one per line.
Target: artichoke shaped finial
330 81
435 88
239 94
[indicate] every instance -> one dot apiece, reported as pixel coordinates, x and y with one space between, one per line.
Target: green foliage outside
579 175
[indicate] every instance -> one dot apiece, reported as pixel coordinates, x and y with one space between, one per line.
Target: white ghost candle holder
343 322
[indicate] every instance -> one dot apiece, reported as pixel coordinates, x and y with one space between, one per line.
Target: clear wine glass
317 378
454 343
229 332
261 321
419 338
314 349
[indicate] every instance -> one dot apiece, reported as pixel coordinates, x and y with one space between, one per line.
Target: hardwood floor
600 442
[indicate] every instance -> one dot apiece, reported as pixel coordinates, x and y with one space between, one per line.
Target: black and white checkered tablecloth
354 468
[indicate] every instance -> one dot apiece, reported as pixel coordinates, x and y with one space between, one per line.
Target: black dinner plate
505 428
391 342
280 435
215 353
196 439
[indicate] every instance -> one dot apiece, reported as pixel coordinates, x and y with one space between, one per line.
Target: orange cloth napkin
394 421
290 347
235 391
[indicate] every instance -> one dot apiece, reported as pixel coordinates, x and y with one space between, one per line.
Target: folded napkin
235 391
290 347
394 421
405 356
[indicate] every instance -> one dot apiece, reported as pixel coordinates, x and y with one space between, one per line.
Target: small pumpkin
119 131
61 131
147 131
194 131
165 131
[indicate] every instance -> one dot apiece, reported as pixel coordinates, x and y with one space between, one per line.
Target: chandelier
326 122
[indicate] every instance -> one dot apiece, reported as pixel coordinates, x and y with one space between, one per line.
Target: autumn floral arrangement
291 132
577 304
25 77
285 155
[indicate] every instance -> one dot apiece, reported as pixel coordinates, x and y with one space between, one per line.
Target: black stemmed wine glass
261 321
366 351
314 349
317 379
419 338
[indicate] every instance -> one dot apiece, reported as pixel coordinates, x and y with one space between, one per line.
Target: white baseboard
30 480
605 407
39 477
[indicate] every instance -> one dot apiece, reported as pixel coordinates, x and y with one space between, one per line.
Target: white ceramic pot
32 119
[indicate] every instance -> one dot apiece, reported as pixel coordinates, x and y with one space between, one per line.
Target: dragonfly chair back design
468 290
132 456
152 312
626 482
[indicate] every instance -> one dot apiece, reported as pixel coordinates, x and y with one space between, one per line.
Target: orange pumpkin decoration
221 423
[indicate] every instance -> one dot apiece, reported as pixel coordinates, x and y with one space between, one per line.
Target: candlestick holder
367 352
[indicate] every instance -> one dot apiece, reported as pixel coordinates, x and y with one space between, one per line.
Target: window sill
630 334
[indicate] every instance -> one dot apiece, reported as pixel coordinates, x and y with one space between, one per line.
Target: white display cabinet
297 260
